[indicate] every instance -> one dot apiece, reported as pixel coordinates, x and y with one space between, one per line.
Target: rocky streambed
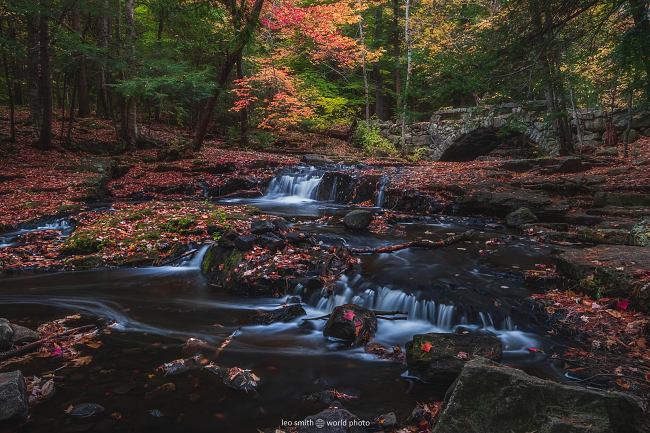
417 299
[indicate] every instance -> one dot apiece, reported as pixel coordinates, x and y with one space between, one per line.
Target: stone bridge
463 134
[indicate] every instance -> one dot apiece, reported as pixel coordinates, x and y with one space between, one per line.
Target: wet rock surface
286 313
357 219
13 396
436 357
493 398
351 323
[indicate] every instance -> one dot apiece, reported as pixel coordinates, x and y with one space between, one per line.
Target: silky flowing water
152 311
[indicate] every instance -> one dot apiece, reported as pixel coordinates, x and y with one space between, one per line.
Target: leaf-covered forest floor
152 205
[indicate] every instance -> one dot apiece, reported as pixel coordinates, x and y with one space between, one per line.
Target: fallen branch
36 344
377 313
420 243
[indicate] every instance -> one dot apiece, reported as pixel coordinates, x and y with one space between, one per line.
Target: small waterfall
385 299
193 261
445 317
298 185
383 182
63 225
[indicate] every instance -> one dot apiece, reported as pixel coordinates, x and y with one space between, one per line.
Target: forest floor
593 210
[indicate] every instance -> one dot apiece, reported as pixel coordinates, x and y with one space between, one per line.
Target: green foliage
368 138
177 225
419 154
81 244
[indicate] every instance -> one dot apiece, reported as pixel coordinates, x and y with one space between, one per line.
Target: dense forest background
238 68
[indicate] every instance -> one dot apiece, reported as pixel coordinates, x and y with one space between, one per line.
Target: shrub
419 154
368 138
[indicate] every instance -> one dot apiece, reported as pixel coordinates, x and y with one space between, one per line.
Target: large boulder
6 334
521 216
351 323
13 396
357 219
23 335
489 398
438 357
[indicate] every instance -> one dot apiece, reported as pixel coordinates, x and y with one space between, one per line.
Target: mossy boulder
81 244
489 397
440 357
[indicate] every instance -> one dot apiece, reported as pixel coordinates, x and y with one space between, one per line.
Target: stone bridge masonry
458 134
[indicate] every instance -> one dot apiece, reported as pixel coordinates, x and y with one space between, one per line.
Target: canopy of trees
225 67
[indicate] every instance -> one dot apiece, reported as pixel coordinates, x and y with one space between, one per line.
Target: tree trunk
9 80
639 11
409 55
104 105
397 54
81 75
243 113
380 103
45 78
552 76
129 126
242 39
362 40
33 53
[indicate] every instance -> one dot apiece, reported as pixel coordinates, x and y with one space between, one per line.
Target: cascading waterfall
442 316
299 185
383 182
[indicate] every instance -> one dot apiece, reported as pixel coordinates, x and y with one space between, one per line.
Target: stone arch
485 140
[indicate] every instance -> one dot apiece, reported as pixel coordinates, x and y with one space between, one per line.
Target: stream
153 310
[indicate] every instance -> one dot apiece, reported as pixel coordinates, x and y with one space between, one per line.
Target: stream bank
282 239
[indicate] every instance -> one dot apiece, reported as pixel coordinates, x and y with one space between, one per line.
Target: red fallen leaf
349 315
535 350
623 384
56 352
623 304
357 327
426 347
462 355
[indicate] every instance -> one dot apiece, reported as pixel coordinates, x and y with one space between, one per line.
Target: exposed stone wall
446 127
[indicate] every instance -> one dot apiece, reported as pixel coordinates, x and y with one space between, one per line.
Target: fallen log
36 344
420 243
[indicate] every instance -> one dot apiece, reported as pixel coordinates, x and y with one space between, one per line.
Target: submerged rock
86 410
332 420
521 216
286 313
439 357
493 398
351 323
13 396
357 220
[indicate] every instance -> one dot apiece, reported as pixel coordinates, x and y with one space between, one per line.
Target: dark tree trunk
552 79
103 104
397 55
33 54
45 78
9 80
129 127
639 11
81 75
242 39
380 97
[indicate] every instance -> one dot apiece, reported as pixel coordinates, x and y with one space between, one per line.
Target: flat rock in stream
440 357
332 420
490 398
351 323
13 396
285 313
357 220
